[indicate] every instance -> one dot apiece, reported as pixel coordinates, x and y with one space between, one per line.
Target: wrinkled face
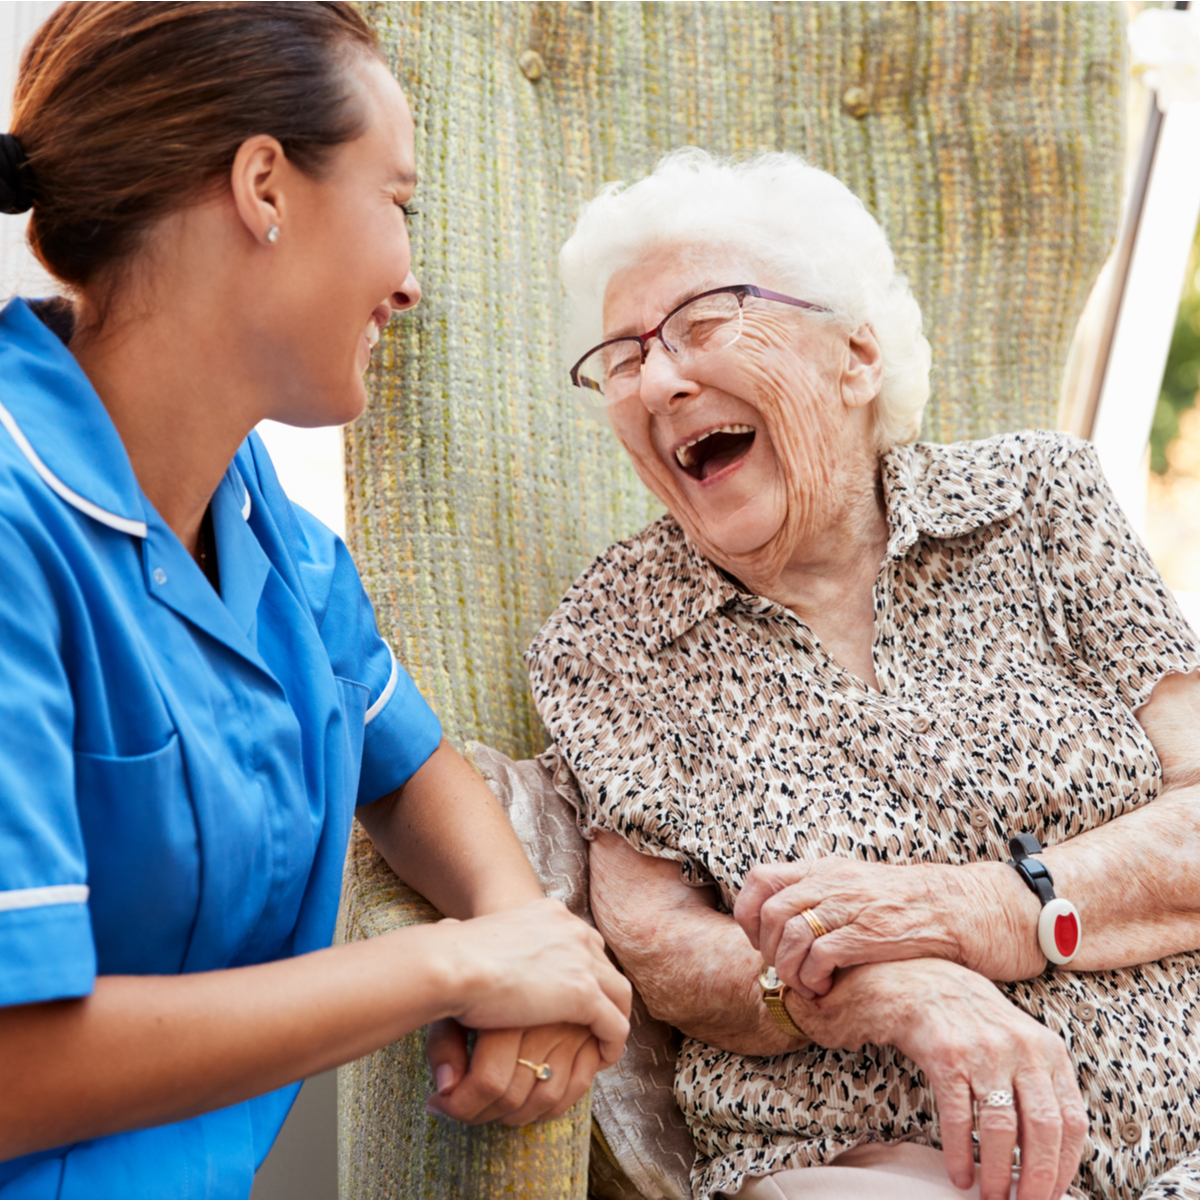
345 254
739 444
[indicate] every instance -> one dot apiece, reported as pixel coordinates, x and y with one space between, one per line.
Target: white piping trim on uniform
386 694
124 524
43 897
246 503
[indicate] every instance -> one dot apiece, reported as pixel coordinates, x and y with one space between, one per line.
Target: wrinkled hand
970 1041
493 1086
536 965
972 915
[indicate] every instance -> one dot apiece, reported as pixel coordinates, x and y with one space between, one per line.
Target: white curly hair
799 223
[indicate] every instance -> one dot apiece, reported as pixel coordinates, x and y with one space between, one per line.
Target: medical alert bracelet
1059 931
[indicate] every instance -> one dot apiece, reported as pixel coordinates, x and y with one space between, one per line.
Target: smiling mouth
715 450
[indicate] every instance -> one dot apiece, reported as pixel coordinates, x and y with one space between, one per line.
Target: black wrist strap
1033 871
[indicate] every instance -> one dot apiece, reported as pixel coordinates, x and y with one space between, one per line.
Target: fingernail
432 1109
445 1078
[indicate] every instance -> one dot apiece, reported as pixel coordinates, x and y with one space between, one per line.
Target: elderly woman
916 726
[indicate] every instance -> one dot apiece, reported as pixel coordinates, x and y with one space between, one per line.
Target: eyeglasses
711 321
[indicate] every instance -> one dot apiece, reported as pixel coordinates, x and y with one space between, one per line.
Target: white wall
19 271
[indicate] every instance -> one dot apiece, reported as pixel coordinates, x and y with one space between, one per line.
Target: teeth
372 334
684 454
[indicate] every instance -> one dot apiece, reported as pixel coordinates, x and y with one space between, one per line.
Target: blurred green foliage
1181 379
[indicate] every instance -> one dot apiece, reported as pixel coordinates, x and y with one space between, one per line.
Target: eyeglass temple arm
767 294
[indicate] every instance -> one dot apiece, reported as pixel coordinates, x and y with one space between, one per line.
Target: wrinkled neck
837 544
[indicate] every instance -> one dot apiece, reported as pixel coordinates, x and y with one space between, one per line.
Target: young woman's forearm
145 1050
445 835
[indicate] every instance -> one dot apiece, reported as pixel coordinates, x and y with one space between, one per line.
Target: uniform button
1085 1011
1131 1133
160 576
921 724
980 819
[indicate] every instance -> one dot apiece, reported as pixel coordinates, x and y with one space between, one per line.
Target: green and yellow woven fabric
389 1148
987 139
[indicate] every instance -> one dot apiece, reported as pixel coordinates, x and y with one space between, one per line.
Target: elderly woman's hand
979 916
971 1043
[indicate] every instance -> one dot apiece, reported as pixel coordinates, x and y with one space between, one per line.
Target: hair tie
15 196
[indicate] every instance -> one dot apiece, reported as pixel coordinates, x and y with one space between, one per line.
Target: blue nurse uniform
178 769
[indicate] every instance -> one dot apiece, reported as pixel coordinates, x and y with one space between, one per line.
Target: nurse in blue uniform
194 697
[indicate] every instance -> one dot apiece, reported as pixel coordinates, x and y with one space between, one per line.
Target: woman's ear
256 179
863 374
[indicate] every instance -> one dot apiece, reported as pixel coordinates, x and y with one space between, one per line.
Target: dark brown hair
128 111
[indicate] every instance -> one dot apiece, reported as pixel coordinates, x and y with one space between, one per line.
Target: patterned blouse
1019 624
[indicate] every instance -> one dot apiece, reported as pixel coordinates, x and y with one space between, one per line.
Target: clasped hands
914 949
490 1083
876 912
538 964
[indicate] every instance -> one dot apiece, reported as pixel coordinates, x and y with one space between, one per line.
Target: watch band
1059 929
773 992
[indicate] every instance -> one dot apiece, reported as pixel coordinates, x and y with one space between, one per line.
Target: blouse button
1131 1133
160 576
921 724
1085 1011
980 819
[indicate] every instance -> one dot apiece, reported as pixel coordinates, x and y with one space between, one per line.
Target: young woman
193 692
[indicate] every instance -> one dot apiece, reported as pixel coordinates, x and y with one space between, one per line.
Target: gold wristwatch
773 993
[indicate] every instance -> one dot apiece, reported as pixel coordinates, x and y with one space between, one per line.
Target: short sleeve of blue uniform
43 872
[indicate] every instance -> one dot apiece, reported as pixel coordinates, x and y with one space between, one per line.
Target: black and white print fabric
1019 624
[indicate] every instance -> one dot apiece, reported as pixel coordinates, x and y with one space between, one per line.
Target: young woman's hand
493 1084
534 965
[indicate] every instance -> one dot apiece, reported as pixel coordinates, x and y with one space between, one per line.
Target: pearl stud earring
273 234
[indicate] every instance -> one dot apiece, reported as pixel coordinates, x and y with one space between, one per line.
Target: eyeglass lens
706 324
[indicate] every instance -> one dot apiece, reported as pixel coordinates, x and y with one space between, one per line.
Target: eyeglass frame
740 290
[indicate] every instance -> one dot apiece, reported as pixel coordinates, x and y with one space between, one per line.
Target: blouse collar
929 490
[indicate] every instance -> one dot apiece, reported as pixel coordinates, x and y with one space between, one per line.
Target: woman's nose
664 384
409 295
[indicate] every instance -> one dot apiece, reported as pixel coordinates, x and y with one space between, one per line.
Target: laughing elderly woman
915 726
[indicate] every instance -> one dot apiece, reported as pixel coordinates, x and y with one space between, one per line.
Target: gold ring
814 922
541 1070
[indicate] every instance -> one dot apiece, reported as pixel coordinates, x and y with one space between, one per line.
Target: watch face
767 978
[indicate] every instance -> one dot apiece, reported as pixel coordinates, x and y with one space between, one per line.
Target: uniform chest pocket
143 856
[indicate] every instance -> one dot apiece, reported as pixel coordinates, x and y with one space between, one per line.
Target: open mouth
715 450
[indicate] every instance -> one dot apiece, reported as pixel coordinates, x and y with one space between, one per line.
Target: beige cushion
633 1102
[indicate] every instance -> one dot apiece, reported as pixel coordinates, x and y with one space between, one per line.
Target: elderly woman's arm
1135 882
692 964
695 969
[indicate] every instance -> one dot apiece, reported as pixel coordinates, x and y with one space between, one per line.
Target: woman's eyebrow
690 294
